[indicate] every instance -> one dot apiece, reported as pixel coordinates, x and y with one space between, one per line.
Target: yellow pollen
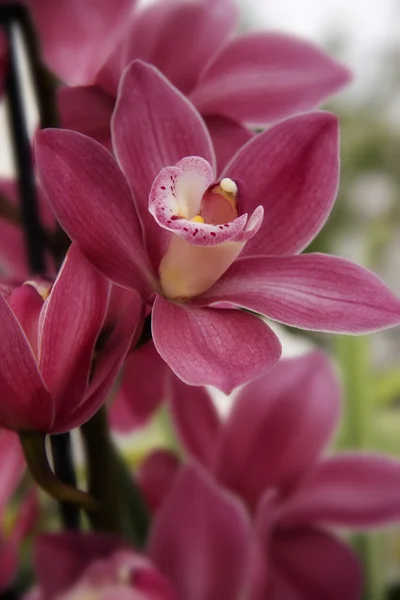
228 186
197 219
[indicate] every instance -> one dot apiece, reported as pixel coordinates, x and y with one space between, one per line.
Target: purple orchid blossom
273 198
47 349
234 82
270 453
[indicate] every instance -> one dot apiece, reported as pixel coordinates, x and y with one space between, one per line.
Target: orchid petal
263 77
313 565
77 36
9 561
61 558
177 200
72 318
153 127
311 291
278 427
155 26
107 363
156 475
224 348
196 420
25 402
85 186
88 110
292 170
227 136
187 270
201 540
355 490
142 389
26 304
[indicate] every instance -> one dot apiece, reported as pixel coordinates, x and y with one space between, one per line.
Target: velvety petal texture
263 77
311 291
354 490
224 348
292 170
26 402
153 127
156 476
196 420
313 565
88 110
70 324
84 185
77 37
227 136
142 389
155 26
201 540
106 365
278 427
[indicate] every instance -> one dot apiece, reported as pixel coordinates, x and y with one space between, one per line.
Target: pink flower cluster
187 227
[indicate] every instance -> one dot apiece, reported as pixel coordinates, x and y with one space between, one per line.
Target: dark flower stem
122 510
23 160
11 16
63 466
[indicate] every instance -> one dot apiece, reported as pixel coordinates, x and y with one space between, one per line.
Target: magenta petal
292 170
311 291
313 565
196 420
77 37
154 28
61 558
25 402
72 319
8 561
355 490
278 427
201 539
264 77
88 110
27 303
156 475
154 126
108 362
93 203
227 136
142 388
224 348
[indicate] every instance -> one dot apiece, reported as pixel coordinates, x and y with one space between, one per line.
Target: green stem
122 510
34 448
353 354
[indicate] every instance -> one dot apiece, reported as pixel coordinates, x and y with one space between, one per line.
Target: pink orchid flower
253 79
96 567
197 248
11 472
77 37
270 454
48 349
200 542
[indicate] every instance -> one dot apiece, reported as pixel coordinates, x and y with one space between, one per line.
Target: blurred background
364 226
